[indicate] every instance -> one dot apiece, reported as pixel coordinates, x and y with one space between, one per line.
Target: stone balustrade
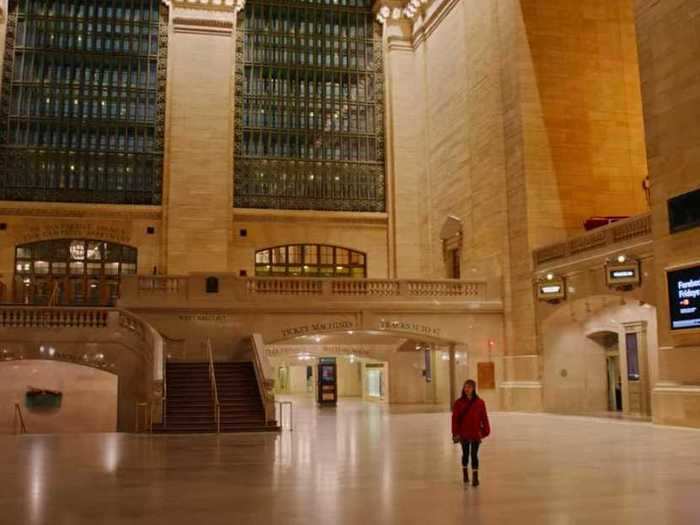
144 289
46 317
634 228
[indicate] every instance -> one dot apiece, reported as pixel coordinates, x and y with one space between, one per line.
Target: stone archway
574 339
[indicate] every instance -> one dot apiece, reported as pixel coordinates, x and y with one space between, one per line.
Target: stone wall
667 34
89 402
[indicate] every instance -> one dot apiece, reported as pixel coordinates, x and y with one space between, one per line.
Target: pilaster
198 206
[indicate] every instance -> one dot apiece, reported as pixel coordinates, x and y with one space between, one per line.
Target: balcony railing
253 289
623 231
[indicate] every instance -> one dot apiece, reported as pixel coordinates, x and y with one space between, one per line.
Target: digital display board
623 274
551 289
684 298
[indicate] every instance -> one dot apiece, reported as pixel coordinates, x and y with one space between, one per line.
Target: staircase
190 404
242 409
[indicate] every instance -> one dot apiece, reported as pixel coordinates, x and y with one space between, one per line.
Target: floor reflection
358 463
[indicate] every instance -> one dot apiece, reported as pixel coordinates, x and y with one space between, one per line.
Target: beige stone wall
582 117
264 229
89 402
668 46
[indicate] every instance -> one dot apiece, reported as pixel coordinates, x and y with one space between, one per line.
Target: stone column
198 185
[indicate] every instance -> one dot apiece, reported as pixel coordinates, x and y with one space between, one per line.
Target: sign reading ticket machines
684 298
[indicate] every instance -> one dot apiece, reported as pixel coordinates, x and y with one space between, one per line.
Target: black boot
475 478
465 474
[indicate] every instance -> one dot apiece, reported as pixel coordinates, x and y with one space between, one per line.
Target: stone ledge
102 211
676 404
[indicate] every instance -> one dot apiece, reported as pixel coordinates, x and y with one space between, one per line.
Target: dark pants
470 448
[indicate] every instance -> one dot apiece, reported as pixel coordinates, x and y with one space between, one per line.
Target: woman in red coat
470 424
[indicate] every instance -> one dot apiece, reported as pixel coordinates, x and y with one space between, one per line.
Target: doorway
614 382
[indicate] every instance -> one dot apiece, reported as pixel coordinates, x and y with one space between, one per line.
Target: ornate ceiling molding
395 10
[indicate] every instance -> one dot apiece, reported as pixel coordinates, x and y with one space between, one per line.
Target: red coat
469 419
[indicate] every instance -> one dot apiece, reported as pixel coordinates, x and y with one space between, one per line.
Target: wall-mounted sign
626 274
43 398
486 375
551 289
684 298
80 230
325 326
405 326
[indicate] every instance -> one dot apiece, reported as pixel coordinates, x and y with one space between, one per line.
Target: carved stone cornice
208 5
100 211
220 24
198 18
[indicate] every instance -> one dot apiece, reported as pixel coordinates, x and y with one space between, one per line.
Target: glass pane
77 250
632 357
59 268
128 269
310 254
279 255
77 268
94 269
262 257
294 254
112 268
24 252
94 251
342 256
326 255
41 267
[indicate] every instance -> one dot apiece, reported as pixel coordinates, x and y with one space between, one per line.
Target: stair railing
20 418
265 386
215 390
164 398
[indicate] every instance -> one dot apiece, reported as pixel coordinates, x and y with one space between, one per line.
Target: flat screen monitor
684 298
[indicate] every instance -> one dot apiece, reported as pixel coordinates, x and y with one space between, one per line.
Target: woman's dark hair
473 384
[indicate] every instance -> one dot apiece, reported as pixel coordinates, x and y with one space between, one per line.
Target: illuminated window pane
41 267
318 261
62 267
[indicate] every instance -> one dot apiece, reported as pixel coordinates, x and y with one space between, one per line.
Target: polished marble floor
358 464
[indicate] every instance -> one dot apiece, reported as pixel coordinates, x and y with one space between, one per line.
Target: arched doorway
71 272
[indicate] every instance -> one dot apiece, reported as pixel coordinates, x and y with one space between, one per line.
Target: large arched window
71 271
310 260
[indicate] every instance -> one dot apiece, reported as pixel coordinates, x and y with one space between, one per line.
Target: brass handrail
215 390
22 426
